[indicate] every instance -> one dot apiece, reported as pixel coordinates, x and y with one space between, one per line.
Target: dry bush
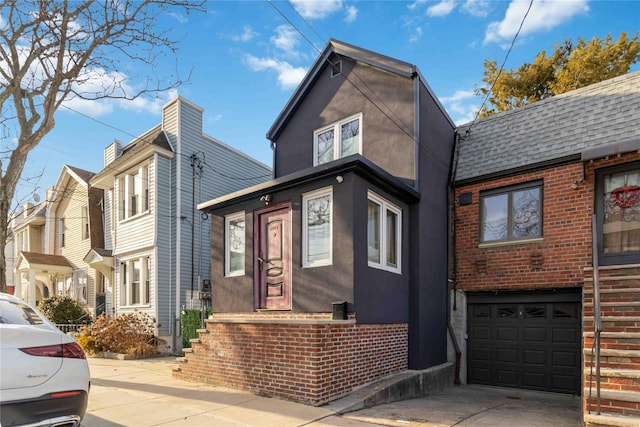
130 333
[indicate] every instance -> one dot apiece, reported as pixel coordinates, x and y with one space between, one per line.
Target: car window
18 313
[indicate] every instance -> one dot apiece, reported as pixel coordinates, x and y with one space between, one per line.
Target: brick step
202 331
614 402
613 304
610 321
613 373
616 353
587 294
593 420
613 345
617 335
614 312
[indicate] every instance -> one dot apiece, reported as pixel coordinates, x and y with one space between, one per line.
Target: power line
490 91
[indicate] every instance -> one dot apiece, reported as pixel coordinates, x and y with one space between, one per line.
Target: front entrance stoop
619 349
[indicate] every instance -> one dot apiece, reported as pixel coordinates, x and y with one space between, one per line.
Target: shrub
63 310
130 333
191 320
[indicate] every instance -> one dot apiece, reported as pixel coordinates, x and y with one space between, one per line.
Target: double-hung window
384 234
234 245
317 225
338 140
511 214
134 192
134 281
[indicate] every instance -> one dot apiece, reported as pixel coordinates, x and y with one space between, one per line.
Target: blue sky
245 59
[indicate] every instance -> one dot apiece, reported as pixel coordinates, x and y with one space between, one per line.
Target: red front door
272 258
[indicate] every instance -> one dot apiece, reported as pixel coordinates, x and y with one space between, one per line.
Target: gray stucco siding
387 126
380 296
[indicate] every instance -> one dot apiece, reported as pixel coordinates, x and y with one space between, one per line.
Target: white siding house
153 230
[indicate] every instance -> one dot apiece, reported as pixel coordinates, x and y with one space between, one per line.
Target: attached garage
530 340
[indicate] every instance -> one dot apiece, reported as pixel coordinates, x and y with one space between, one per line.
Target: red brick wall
556 261
310 362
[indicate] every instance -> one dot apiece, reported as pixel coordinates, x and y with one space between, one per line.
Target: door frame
256 252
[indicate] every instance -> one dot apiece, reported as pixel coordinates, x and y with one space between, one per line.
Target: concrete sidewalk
142 393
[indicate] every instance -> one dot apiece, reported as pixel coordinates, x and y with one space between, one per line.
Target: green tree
570 66
56 50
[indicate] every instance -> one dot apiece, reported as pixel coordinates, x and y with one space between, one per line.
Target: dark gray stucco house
348 239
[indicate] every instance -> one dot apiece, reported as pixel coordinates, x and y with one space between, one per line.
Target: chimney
112 152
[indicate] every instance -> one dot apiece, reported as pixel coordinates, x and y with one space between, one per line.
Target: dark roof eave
573 158
355 163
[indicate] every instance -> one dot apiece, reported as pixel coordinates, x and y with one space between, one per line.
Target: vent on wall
336 68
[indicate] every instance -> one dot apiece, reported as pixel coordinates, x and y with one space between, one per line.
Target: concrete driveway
143 393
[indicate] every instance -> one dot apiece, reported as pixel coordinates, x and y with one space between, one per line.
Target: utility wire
490 91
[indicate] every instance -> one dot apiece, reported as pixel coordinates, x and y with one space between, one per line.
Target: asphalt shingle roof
598 115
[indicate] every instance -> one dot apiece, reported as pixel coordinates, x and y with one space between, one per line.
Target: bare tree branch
52 51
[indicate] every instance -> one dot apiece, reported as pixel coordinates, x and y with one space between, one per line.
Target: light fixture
339 178
266 199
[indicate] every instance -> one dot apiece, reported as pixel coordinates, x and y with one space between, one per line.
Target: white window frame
337 137
127 192
126 281
306 198
227 247
385 206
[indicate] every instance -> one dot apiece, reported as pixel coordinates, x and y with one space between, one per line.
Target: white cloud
316 9
544 15
460 106
247 35
417 34
443 8
178 17
352 14
286 39
414 5
479 8
288 75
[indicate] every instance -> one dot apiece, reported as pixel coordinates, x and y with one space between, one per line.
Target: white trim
337 137
386 206
306 197
125 286
227 250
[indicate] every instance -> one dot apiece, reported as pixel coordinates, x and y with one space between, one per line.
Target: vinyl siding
73 197
163 271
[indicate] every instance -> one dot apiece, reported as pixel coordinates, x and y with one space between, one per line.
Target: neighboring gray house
156 249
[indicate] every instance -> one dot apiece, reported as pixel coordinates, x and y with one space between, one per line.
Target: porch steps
619 351
593 420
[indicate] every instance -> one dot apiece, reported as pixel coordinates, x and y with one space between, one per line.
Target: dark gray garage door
525 340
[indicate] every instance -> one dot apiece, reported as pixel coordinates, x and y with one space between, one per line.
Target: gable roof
81 173
342 49
554 130
154 140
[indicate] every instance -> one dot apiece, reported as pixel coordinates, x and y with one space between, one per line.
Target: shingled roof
553 130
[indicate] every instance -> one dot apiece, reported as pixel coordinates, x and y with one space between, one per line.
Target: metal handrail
597 319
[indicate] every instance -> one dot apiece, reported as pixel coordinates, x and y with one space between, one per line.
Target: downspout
451 219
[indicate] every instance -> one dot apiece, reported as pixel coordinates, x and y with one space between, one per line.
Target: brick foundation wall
311 361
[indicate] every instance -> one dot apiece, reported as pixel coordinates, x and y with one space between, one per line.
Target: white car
44 374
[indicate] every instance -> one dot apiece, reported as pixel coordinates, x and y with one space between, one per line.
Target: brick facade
308 360
556 260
